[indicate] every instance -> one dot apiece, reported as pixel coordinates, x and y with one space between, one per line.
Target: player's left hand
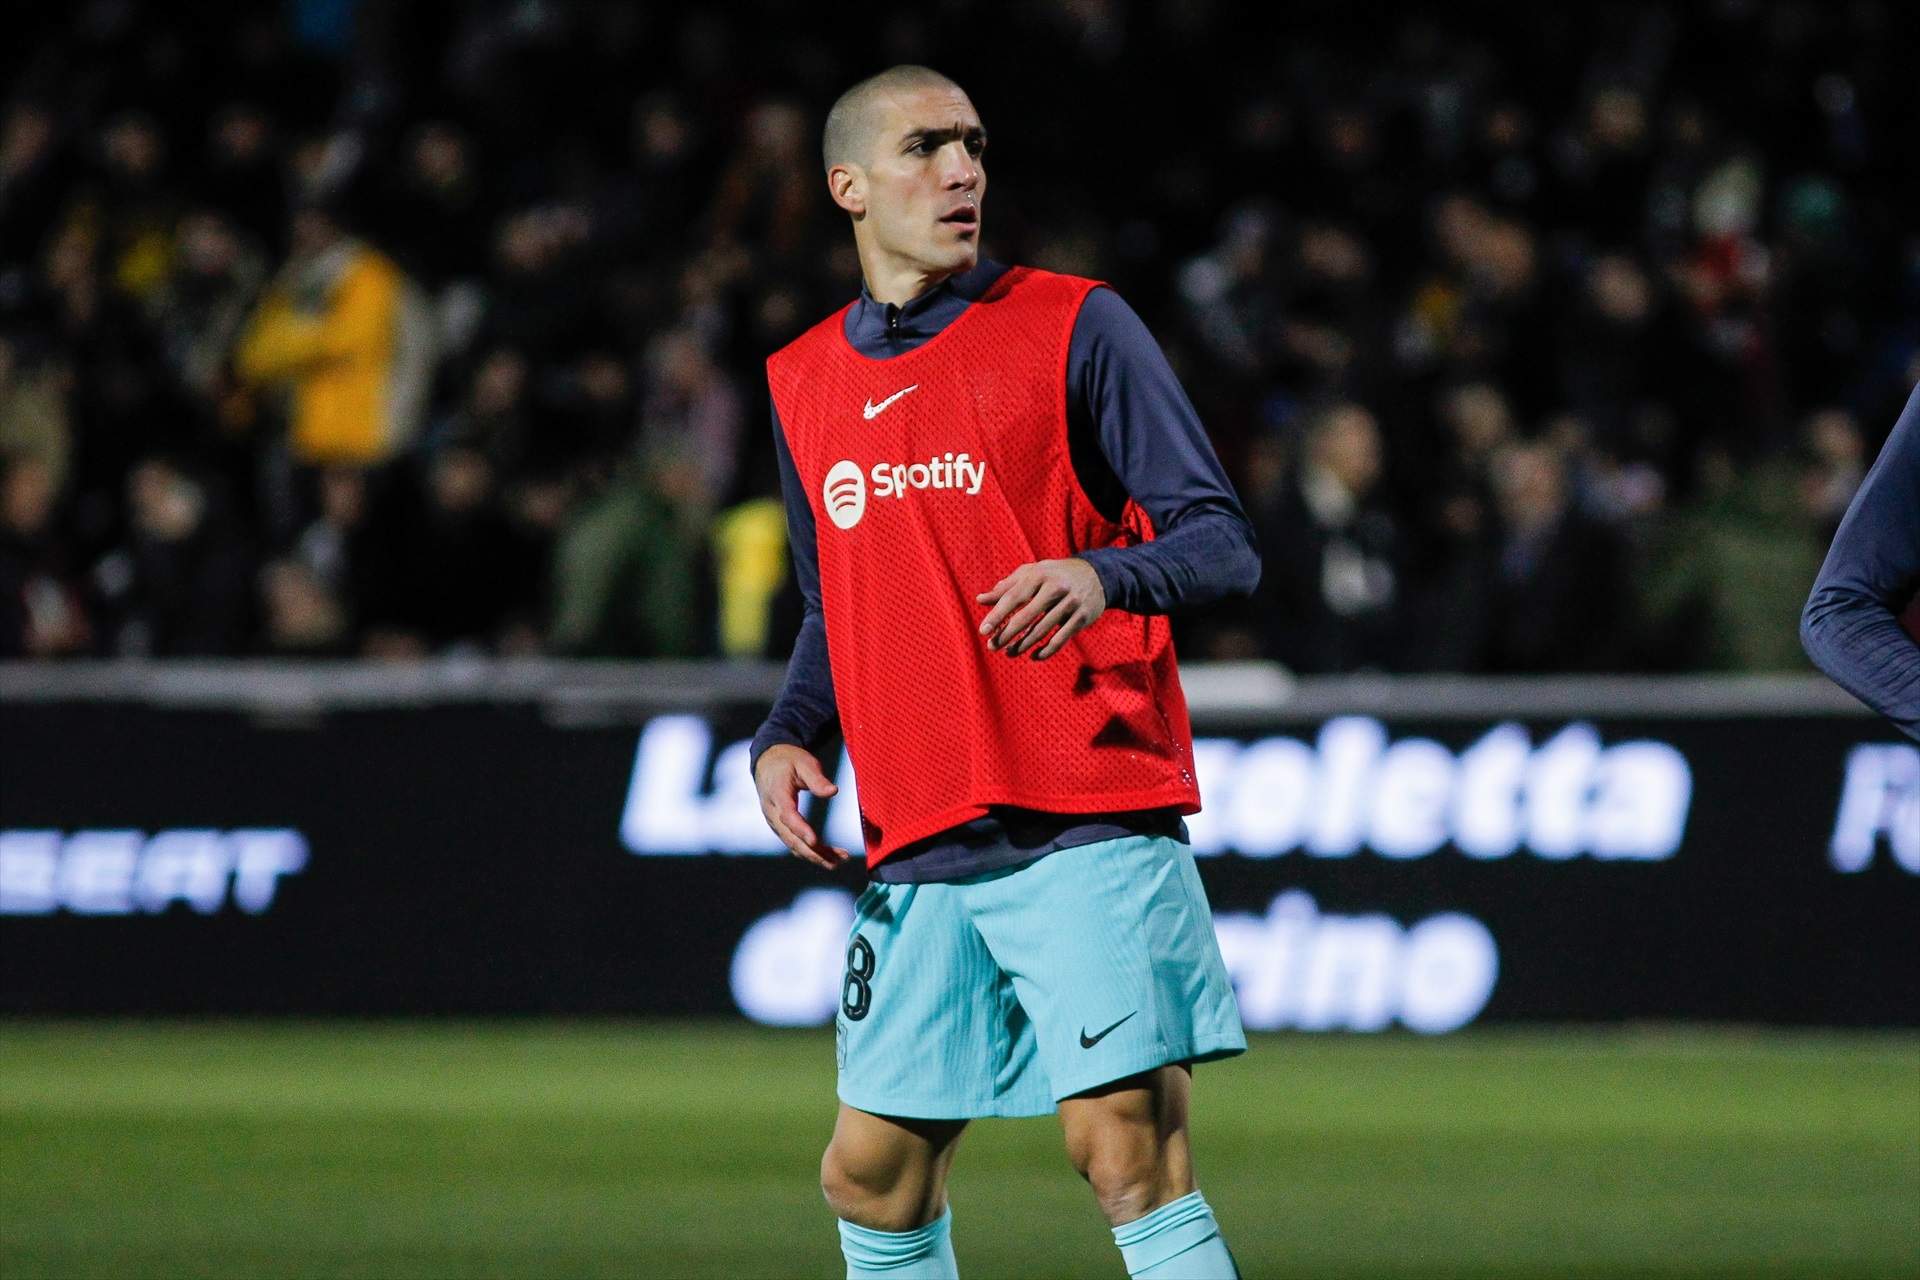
1061 597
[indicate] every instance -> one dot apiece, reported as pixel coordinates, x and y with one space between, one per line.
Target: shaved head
848 137
905 160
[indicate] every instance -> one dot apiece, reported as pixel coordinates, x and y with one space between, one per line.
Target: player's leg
1128 1139
1122 998
929 1035
888 1172
885 1178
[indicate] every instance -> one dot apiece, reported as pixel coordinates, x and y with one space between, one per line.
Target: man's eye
924 147
975 146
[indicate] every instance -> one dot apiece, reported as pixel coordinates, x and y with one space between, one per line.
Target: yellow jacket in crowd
349 336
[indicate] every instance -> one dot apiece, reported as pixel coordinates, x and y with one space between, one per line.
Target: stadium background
1545 348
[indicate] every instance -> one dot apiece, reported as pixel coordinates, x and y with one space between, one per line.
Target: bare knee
886 1178
856 1189
1129 1142
1127 1169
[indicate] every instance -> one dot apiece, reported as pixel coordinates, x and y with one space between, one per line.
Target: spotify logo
846 489
845 493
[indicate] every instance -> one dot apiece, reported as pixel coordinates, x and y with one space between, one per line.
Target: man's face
924 183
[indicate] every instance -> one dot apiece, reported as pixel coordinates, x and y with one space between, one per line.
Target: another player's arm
1203 548
783 761
1851 624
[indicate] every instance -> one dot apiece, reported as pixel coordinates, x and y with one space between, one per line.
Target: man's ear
848 187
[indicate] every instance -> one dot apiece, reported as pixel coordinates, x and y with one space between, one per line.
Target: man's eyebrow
946 134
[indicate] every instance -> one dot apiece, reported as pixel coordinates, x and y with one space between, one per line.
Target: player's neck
900 283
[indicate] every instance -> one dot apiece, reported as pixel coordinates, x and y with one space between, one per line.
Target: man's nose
962 171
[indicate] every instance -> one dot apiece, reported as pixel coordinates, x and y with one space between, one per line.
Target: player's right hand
783 773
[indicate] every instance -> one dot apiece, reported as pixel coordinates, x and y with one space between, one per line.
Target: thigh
1111 950
1149 1109
928 1026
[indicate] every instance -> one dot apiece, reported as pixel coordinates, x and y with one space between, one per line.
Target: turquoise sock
924 1254
1177 1241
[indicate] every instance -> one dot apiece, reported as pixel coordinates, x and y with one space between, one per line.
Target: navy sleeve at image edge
1850 626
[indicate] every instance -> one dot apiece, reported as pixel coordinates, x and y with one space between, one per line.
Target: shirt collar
967 286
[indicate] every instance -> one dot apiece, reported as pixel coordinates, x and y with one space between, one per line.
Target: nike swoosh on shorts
1087 1041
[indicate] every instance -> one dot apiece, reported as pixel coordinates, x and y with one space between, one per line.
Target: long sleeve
1203 548
1851 625
806 710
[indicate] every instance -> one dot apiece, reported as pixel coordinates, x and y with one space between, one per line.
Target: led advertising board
1366 872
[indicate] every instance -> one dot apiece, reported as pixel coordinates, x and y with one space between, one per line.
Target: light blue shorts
999 994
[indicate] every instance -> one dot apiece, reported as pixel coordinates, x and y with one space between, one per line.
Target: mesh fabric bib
931 476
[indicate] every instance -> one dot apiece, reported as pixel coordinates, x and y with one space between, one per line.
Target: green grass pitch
536 1149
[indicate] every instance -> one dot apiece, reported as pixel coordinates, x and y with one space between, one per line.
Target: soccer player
1852 625
996 490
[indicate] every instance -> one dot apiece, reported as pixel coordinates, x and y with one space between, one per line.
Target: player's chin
961 250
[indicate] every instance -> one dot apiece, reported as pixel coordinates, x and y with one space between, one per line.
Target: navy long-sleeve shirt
1851 625
1131 431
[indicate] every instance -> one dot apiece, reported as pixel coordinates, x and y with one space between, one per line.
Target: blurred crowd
1535 339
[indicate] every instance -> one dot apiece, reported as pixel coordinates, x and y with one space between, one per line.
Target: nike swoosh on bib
873 410
1087 1041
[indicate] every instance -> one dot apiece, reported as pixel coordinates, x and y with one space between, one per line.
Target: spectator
1451 563
33 413
343 331
1560 600
1836 464
769 191
123 403
693 414
338 553
241 174
303 618
34 179
1612 367
1228 295
1735 562
495 413
1331 589
540 299
180 585
1606 169
436 210
631 572
203 300
132 204
613 220
42 606
454 572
